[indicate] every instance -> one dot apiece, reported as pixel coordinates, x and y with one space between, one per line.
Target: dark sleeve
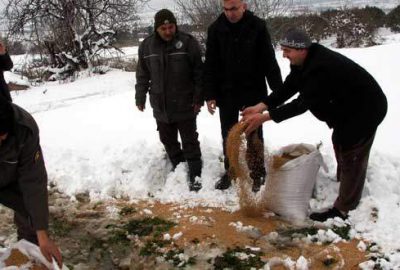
197 70
271 68
5 62
306 100
289 110
142 79
32 180
288 90
4 92
210 75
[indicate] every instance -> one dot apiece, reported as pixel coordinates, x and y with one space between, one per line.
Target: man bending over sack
337 91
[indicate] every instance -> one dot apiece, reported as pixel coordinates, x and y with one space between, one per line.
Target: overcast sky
159 4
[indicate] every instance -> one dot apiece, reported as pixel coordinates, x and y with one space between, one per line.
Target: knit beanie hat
164 16
6 116
296 38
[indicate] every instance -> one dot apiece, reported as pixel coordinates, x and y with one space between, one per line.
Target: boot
258 180
175 161
330 213
194 185
195 167
223 183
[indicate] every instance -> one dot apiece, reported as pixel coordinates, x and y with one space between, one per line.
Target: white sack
289 188
33 252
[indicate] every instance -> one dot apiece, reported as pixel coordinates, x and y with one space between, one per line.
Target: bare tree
70 32
199 14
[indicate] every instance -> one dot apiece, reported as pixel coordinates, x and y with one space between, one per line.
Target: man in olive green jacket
170 71
23 177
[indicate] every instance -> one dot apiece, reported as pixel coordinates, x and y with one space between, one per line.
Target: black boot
330 213
175 161
195 167
258 180
194 185
223 183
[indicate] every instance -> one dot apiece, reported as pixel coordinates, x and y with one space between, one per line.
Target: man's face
234 10
167 31
295 56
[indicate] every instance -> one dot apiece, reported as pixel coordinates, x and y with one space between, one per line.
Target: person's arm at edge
210 84
272 70
33 184
142 80
197 67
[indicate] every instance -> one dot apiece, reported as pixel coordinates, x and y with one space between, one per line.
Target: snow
95 140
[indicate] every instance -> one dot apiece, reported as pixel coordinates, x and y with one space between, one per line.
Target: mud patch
119 234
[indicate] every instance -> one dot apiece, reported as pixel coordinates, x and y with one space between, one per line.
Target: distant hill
300 6
320 5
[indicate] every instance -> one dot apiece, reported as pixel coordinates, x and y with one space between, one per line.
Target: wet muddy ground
119 234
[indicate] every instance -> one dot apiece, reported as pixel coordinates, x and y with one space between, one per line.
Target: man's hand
2 48
211 106
259 108
141 107
197 108
254 121
49 248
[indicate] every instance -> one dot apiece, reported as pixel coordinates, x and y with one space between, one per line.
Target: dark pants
190 150
352 163
11 197
229 116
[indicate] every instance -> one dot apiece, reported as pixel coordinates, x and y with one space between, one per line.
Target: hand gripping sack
289 187
27 256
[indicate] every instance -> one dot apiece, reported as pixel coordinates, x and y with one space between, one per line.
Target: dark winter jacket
336 90
171 73
22 165
5 64
238 59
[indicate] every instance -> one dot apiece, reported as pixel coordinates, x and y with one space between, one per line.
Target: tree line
69 35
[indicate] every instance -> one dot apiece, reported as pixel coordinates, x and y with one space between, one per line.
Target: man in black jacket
5 64
239 57
23 177
337 91
170 70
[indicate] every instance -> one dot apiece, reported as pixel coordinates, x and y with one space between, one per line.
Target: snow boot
175 161
194 185
224 182
330 213
195 167
258 180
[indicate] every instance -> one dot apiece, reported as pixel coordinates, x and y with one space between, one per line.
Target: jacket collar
162 42
310 55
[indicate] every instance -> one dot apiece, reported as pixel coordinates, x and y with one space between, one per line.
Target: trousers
190 150
352 163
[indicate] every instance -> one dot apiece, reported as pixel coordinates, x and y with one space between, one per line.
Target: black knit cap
296 38
163 16
6 116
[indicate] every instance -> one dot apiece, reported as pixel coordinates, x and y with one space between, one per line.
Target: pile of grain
17 258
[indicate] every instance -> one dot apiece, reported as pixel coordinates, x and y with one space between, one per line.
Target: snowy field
95 140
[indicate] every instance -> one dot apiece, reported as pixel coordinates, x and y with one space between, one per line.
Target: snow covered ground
95 140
